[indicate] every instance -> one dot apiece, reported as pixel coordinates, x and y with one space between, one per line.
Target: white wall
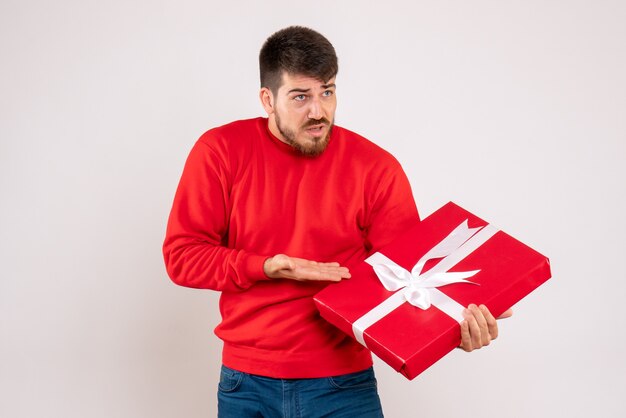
513 109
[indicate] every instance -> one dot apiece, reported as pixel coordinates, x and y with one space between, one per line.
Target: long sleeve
195 249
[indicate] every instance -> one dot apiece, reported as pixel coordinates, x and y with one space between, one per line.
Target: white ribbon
420 289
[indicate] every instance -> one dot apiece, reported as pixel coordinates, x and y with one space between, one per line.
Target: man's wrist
266 267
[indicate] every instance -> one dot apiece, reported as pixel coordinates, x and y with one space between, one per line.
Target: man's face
303 113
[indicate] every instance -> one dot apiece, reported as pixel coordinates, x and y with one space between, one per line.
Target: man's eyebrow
324 86
297 90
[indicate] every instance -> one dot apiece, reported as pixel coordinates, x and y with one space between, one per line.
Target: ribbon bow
415 284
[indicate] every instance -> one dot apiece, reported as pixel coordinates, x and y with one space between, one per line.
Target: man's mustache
314 122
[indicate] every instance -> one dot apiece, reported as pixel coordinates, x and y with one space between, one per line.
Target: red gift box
405 302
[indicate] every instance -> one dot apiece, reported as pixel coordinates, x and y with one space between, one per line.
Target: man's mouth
316 129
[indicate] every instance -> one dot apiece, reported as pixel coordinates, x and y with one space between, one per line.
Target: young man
269 211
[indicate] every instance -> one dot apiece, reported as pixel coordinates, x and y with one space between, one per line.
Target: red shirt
245 196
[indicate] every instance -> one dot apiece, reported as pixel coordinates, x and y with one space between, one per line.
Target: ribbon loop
416 296
393 277
417 285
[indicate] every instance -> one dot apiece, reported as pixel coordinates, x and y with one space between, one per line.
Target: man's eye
300 97
328 93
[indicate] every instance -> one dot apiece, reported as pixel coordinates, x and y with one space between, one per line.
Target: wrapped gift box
405 302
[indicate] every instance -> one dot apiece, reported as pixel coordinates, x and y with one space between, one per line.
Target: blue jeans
243 395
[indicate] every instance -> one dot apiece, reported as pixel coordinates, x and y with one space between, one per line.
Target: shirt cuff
252 268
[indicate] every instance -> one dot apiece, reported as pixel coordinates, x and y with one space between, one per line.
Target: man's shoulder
359 145
236 130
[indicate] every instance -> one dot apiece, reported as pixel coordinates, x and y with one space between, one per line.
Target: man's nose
315 110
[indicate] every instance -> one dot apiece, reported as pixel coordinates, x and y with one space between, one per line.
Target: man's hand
479 327
284 267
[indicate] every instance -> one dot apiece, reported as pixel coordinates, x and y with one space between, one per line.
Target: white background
515 110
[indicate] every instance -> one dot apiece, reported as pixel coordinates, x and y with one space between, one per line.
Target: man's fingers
474 328
321 271
484 337
303 261
307 273
466 339
343 272
337 273
479 327
492 324
282 266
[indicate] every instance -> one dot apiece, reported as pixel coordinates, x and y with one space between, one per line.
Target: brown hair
296 50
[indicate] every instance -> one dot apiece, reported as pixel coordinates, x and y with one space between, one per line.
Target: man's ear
267 100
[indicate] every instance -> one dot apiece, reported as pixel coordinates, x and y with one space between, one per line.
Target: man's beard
310 149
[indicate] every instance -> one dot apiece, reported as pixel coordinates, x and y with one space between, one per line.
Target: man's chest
304 208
